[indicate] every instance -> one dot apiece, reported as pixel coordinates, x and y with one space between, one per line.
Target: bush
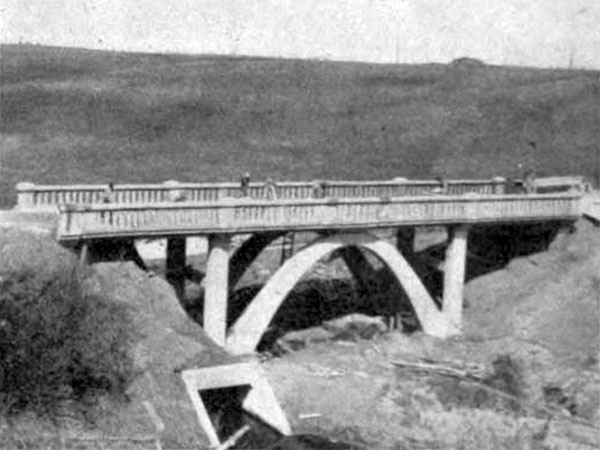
57 341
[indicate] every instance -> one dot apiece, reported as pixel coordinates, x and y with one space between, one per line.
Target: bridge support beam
454 276
175 264
217 287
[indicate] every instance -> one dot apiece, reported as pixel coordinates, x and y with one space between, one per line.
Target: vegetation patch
58 342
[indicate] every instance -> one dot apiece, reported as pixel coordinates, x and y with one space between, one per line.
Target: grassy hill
71 115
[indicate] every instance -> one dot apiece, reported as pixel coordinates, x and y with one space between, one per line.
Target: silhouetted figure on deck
245 184
443 187
318 189
529 182
108 196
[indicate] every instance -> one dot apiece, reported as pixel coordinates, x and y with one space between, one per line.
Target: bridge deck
248 215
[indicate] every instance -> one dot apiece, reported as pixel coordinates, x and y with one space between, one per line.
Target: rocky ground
531 330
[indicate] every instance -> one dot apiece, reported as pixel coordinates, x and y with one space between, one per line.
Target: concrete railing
247 215
32 196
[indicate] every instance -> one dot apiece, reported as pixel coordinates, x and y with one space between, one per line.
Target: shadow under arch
246 332
243 257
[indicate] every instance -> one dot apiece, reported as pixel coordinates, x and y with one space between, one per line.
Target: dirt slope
551 298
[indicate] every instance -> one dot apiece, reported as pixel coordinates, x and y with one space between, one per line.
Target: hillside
71 115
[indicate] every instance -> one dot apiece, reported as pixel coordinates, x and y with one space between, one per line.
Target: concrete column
217 289
405 242
175 266
84 254
454 275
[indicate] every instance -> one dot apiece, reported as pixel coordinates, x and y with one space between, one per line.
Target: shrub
57 341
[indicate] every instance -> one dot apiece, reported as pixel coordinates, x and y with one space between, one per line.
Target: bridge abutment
217 287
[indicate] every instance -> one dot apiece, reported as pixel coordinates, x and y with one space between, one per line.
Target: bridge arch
246 332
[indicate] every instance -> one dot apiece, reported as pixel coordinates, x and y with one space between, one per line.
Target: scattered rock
311 442
355 326
296 340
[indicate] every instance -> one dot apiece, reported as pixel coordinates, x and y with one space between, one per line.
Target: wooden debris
309 416
574 429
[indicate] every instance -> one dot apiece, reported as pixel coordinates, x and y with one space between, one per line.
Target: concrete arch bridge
345 224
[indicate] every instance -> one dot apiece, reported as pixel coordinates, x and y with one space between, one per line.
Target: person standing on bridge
245 184
318 189
529 182
108 196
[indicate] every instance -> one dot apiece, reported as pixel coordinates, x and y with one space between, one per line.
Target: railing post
454 275
217 289
25 195
175 265
498 185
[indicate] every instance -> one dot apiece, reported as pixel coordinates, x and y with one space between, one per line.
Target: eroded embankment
540 311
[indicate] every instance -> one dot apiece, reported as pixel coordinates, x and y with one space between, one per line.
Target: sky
541 33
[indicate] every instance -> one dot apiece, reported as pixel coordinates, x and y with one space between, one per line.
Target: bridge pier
217 287
175 264
454 276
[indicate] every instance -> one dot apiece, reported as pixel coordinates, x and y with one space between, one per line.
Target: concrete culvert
173 358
